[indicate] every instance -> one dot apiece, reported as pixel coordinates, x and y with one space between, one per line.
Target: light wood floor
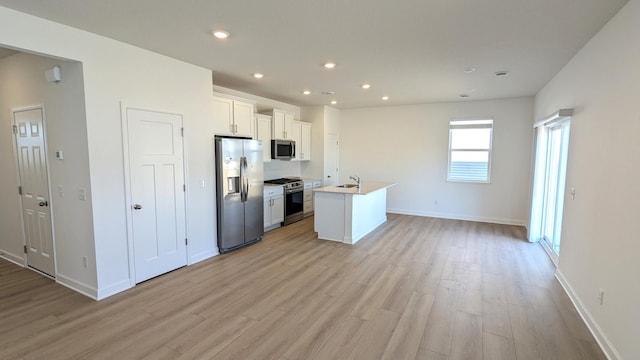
416 288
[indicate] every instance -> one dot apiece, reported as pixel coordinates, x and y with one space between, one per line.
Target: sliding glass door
552 147
553 203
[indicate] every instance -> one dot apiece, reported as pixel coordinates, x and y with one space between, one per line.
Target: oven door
293 206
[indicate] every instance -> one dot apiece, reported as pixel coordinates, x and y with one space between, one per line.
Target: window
470 150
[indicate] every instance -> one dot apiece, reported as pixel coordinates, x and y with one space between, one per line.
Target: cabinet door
223 116
304 150
295 136
243 118
267 212
263 132
288 125
277 125
277 209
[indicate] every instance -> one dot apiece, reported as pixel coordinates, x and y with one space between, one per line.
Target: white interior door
156 182
331 162
32 167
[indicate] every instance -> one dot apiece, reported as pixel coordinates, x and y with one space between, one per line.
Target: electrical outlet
60 191
573 193
85 262
82 194
601 297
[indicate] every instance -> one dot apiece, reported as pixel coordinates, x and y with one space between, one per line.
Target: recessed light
306 92
385 98
220 34
469 70
366 86
330 65
258 75
333 102
502 73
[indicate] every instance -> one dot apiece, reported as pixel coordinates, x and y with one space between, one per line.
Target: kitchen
282 144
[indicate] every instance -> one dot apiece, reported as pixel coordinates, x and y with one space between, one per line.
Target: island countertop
366 187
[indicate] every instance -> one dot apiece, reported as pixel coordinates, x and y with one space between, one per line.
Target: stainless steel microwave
283 149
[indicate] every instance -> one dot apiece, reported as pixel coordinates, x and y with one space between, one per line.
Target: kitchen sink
347 186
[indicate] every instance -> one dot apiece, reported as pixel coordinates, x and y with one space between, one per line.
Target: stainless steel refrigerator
239 192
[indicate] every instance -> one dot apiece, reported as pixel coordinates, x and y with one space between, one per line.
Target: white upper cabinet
301 134
295 136
304 149
233 117
243 118
282 123
263 132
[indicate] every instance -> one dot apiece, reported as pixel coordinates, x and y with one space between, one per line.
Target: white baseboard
609 350
203 256
457 217
18 260
114 289
358 237
77 286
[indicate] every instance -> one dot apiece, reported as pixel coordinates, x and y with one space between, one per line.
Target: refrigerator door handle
244 181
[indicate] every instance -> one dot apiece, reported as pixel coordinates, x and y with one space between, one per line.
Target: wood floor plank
415 287
209 337
327 326
375 295
343 340
496 347
527 337
495 319
406 338
467 337
373 341
439 330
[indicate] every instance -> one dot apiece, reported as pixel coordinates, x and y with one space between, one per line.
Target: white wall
22 83
324 120
600 246
115 72
409 145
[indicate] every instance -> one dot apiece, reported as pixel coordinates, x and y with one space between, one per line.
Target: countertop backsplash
276 169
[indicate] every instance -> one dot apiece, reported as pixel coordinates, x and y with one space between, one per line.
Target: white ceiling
414 51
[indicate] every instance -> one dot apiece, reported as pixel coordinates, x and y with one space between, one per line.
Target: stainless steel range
293 198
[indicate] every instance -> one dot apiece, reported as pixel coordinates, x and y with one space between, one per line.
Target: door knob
137 207
43 203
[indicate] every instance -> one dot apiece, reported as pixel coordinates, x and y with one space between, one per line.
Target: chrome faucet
356 179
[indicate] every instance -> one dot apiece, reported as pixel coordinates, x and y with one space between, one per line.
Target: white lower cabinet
307 206
273 207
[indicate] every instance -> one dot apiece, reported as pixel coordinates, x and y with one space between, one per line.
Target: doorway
157 220
552 149
331 171
34 188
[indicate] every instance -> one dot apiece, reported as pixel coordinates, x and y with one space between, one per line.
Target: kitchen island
348 214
